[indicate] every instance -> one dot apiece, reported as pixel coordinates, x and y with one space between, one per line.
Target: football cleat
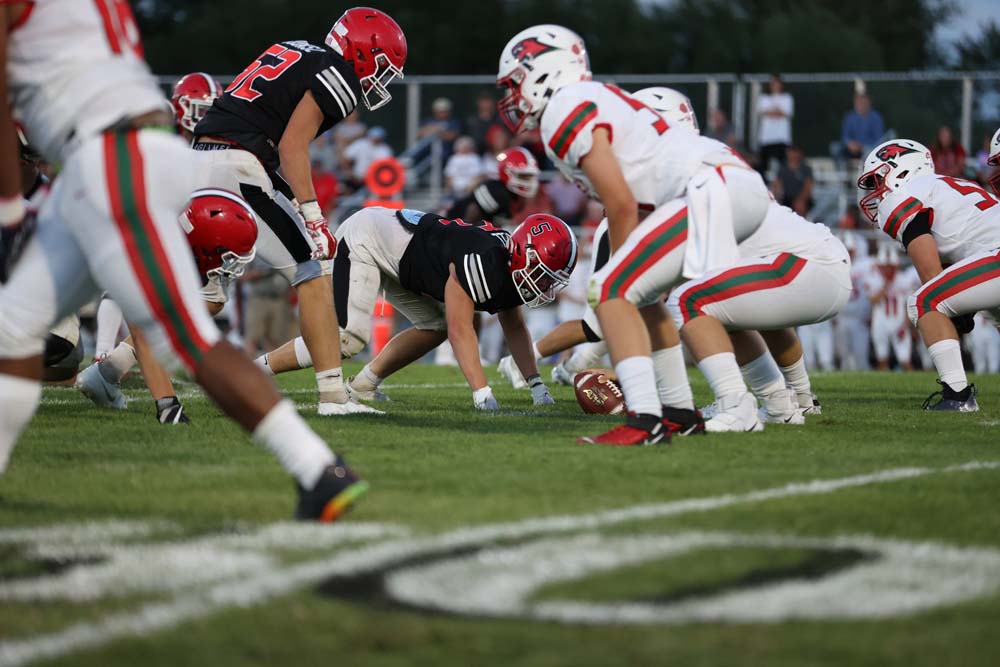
679 421
780 407
349 407
358 395
96 387
170 411
562 375
710 410
511 372
337 489
737 414
637 430
809 404
953 401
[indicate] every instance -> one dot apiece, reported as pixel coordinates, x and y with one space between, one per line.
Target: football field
869 536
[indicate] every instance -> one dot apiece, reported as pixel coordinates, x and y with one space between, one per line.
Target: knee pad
350 345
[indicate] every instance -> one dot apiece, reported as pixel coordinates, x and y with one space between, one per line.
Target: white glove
484 400
539 392
509 370
319 231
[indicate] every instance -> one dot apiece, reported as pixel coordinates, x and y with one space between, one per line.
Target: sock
723 374
638 381
118 363
538 355
586 356
797 377
302 355
109 321
366 380
263 364
672 378
299 450
18 400
331 386
947 357
764 377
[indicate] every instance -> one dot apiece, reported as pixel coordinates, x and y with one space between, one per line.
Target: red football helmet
193 95
375 45
519 171
542 257
222 231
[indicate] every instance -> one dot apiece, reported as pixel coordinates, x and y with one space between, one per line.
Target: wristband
311 211
12 210
480 395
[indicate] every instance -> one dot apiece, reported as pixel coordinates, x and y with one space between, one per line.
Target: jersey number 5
966 188
242 86
659 124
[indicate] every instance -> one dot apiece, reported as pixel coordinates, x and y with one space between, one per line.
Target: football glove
13 240
484 400
964 323
539 392
319 231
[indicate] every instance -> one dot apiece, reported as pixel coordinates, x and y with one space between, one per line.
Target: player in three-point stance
699 201
438 273
941 222
80 88
265 121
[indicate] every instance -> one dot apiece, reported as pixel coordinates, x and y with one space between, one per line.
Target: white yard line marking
252 590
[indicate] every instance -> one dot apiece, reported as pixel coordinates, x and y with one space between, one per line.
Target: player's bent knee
351 344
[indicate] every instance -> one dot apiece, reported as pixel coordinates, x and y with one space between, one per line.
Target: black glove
13 241
964 323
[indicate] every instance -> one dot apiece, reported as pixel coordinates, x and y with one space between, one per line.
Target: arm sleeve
896 212
336 91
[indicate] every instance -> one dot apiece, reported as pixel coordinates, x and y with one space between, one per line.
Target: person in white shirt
774 123
464 168
364 151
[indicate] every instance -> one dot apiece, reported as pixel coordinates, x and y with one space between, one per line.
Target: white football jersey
867 281
784 230
75 68
965 218
657 159
890 312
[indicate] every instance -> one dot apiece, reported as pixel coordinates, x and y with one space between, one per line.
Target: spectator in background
363 152
862 130
442 125
794 185
718 127
479 124
774 123
464 168
344 134
497 141
326 185
569 201
270 318
949 157
984 172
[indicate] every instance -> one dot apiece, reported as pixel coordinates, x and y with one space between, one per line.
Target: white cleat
809 404
511 372
561 375
331 409
737 414
372 395
710 411
779 407
105 394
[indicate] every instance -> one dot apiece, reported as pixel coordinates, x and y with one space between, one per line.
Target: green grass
434 464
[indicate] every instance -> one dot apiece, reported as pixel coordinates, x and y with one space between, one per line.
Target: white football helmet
535 64
671 104
889 166
994 159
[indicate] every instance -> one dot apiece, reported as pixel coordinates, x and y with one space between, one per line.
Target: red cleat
678 421
637 430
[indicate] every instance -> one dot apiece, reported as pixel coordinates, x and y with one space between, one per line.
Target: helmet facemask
233 266
875 183
537 284
194 110
377 84
514 108
522 182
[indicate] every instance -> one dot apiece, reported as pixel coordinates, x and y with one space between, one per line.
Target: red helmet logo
530 48
893 151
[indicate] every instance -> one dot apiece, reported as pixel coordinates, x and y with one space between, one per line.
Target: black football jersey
492 198
478 251
256 107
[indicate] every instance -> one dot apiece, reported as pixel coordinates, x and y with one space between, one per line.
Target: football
597 393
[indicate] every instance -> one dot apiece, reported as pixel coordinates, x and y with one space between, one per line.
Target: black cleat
679 421
337 489
170 411
953 401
